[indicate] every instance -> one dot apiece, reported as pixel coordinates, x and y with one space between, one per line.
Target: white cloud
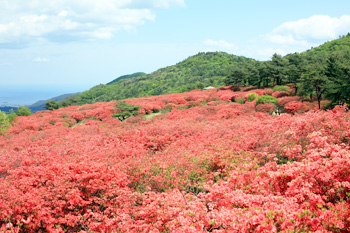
221 44
22 21
41 59
157 3
268 52
309 30
169 3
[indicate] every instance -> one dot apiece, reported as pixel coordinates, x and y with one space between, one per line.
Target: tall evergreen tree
278 69
125 110
338 72
314 80
295 69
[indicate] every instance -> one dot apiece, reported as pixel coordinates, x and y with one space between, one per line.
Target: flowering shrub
220 167
285 100
267 107
266 99
295 107
279 94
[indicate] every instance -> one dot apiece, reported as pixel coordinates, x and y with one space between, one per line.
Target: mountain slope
341 44
39 105
196 72
128 76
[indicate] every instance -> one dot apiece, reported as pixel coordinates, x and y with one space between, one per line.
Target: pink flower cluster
197 167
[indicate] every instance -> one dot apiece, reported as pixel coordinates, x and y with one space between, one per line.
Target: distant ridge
128 76
39 105
195 72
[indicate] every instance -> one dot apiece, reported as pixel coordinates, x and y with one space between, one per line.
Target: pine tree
125 110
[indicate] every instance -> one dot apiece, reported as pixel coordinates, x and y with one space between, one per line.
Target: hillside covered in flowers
217 160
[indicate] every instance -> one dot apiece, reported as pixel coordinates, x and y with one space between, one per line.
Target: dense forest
318 73
323 72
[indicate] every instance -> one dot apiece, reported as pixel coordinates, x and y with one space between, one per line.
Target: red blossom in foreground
267 107
201 164
296 107
279 94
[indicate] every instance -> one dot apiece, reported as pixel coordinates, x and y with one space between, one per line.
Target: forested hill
342 44
199 71
321 72
128 76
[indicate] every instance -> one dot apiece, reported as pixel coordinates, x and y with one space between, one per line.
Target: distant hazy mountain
37 106
6 104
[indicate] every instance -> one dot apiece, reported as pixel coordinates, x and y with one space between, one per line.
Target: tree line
312 74
321 72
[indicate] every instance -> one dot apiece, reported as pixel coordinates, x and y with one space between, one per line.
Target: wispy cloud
41 59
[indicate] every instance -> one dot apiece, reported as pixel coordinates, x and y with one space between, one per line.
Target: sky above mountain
57 47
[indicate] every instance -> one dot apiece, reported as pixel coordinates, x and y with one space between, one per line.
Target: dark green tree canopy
125 110
23 111
4 123
51 105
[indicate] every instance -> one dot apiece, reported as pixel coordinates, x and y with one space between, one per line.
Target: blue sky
48 48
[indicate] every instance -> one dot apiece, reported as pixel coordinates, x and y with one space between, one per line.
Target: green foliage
23 111
4 123
167 108
125 110
239 100
51 105
12 116
251 97
338 71
316 81
266 99
320 72
341 44
296 66
278 69
304 71
280 88
128 76
196 72
243 74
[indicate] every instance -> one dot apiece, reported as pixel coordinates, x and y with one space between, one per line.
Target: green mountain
219 69
317 74
128 76
342 44
199 71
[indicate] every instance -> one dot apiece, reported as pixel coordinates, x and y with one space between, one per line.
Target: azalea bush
280 88
251 97
192 167
266 99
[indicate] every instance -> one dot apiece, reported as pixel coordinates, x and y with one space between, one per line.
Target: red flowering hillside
196 162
